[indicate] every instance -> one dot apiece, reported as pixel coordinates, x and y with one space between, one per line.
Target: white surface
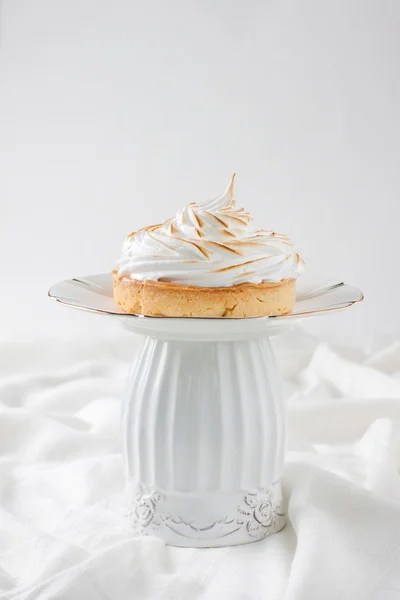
113 115
62 528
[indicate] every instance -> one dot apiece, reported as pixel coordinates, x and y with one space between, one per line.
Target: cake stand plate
203 422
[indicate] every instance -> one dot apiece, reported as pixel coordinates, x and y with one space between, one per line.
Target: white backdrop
114 114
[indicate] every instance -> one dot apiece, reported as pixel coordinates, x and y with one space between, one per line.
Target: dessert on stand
203 422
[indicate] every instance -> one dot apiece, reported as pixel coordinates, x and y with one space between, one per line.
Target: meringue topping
211 244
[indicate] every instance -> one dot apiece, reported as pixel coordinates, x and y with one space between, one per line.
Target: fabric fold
63 533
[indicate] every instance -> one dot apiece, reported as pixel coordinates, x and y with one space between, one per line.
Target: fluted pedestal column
203 433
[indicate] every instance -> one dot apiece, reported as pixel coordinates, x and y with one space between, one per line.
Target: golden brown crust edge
156 298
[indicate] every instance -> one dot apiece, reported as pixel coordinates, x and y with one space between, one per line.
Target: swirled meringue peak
212 244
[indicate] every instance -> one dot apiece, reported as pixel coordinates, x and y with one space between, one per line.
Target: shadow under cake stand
203 421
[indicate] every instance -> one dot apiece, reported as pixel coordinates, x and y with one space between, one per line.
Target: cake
207 261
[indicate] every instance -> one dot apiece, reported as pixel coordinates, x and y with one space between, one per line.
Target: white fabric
62 531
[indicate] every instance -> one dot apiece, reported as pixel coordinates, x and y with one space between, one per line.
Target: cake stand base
203 423
203 435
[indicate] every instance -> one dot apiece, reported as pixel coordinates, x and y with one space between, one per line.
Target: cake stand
203 421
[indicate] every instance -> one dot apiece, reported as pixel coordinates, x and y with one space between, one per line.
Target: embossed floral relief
257 515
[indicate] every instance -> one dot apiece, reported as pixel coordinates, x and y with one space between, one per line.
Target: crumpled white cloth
62 528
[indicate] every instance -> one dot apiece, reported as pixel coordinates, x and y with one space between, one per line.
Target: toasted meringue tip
229 189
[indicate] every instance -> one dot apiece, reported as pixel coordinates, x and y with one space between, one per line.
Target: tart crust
161 299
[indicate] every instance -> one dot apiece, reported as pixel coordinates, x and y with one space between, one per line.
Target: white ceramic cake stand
203 422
